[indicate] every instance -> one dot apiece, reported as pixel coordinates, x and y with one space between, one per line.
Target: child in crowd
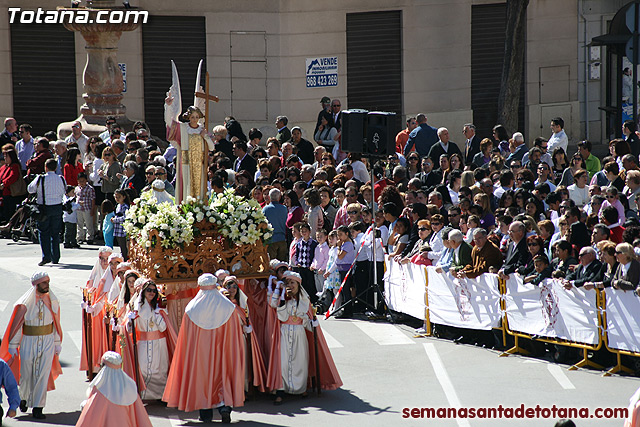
305 251
70 218
122 199
277 274
361 273
295 231
473 223
107 211
331 274
86 197
320 258
543 270
346 256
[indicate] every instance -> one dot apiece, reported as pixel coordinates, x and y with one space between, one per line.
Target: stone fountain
102 79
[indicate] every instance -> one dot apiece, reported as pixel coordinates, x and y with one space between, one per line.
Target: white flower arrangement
173 226
240 220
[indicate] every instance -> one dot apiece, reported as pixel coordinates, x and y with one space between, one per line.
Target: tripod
375 287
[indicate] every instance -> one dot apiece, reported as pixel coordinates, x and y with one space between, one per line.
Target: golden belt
37 330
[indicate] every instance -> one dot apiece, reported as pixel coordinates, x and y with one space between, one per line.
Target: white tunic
153 355
294 349
36 354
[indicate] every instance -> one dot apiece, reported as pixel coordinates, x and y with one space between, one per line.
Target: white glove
114 325
58 348
247 329
132 315
83 305
315 323
89 309
13 351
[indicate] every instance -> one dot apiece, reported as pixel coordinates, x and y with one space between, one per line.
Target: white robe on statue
179 136
153 355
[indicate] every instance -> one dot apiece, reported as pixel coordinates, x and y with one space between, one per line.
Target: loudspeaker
380 137
354 130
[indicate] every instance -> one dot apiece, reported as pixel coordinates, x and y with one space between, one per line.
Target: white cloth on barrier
464 303
551 311
404 288
623 326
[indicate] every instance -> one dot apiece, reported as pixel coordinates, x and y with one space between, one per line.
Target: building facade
440 57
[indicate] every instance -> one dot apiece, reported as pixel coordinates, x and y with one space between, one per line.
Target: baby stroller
22 223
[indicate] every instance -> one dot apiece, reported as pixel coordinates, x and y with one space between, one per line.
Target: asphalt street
386 372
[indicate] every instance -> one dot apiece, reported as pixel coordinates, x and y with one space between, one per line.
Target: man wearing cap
303 148
113 398
326 106
32 343
209 337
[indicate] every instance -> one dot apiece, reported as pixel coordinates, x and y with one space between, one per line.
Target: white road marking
331 341
3 304
561 377
76 337
384 333
445 381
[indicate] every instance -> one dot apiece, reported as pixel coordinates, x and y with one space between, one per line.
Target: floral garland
240 220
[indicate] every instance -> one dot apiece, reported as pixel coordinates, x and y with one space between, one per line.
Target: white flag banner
404 288
550 310
623 320
464 303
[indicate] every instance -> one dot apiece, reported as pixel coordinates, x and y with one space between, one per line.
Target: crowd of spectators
483 204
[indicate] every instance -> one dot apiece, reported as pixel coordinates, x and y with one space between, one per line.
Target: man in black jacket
472 144
517 253
428 177
589 270
243 161
579 233
443 146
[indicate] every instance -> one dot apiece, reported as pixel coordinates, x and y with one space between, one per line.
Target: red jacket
36 165
71 172
8 175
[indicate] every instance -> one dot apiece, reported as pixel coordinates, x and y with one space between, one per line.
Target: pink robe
99 342
257 361
207 367
100 411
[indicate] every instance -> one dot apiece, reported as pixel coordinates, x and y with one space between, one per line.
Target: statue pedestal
102 78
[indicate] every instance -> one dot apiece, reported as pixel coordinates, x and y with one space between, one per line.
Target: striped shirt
54 188
86 195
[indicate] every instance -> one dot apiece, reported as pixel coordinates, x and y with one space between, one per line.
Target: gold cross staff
207 98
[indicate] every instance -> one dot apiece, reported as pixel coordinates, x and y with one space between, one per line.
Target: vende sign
322 71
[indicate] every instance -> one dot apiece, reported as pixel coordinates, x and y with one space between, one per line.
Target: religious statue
188 135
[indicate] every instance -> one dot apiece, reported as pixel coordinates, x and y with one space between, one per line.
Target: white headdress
209 309
38 277
113 383
159 193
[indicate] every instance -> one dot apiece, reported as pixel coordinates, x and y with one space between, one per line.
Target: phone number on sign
322 80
